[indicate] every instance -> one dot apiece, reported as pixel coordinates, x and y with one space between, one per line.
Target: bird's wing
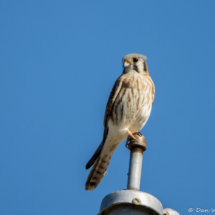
100 165
112 98
113 95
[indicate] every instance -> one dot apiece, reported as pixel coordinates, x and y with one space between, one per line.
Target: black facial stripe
144 65
136 68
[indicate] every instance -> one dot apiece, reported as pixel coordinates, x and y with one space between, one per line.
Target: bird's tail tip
97 172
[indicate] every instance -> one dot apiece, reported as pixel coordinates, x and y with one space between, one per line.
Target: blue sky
58 63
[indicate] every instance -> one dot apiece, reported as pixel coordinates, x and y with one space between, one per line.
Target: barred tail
97 172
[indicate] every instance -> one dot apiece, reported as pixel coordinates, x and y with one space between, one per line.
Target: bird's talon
137 133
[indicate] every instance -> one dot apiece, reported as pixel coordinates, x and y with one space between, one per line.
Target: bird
127 111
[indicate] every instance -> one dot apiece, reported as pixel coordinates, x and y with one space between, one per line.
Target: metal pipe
136 147
135 167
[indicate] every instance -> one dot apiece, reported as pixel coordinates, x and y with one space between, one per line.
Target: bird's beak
126 64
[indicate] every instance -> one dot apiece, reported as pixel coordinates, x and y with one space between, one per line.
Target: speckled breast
132 106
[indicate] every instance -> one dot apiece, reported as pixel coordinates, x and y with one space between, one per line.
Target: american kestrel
127 111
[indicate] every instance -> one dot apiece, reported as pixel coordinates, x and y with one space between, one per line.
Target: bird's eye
135 60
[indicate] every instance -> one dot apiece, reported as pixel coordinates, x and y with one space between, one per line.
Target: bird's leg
132 136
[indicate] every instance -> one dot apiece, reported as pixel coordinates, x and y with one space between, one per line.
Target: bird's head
135 62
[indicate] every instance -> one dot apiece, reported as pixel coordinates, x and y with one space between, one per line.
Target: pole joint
140 142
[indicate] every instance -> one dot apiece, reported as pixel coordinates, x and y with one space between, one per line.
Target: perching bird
127 111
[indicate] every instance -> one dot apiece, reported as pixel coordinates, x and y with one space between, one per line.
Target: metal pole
133 201
135 164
